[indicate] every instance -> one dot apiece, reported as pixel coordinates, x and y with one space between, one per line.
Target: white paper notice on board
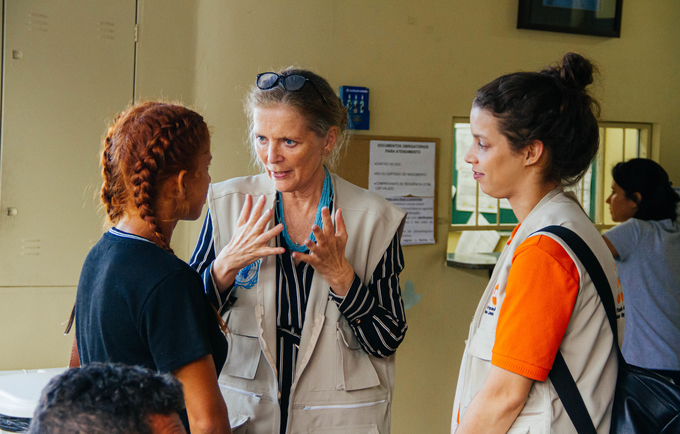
477 241
419 227
464 140
401 168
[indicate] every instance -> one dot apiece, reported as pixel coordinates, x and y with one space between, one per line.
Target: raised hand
327 255
248 244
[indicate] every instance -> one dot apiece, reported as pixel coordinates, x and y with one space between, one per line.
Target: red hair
147 144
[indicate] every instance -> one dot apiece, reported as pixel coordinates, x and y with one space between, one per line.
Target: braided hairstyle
553 107
146 145
658 199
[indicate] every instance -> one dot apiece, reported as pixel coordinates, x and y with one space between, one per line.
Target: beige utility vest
587 345
338 387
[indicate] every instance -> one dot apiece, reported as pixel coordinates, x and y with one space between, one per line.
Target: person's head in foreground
641 189
112 399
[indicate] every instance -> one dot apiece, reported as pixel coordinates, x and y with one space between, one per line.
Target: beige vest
587 344
337 384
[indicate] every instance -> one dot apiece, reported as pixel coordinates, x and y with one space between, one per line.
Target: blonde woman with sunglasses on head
304 267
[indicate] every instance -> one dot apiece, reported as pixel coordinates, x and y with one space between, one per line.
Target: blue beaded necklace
326 198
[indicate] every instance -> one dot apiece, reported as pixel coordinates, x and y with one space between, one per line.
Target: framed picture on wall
586 17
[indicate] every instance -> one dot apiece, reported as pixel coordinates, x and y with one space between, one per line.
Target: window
471 209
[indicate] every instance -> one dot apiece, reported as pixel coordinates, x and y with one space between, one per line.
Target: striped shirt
374 311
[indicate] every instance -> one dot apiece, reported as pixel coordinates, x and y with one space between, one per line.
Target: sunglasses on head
291 83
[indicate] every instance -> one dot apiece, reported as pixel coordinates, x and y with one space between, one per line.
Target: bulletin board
354 161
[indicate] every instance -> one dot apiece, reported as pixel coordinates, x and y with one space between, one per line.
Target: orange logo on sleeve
491 308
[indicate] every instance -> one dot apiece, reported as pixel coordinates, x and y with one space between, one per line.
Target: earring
325 153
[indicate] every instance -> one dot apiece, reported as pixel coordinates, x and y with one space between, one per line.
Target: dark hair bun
577 69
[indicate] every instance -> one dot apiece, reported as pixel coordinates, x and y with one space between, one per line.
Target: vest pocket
481 344
531 424
238 422
361 429
244 351
343 365
518 431
357 369
325 359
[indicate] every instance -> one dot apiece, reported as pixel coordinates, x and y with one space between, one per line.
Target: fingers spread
245 210
318 233
304 257
272 251
311 245
340 228
262 222
271 233
257 210
327 221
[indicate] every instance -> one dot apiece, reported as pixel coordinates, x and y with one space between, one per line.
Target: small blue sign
355 100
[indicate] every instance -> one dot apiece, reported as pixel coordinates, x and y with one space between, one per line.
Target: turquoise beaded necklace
325 201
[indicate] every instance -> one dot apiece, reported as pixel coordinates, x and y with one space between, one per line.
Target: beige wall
422 62
33 318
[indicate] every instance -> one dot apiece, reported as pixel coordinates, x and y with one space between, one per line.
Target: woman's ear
180 184
533 152
331 139
637 198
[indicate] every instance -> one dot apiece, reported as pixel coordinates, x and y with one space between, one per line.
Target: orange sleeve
539 299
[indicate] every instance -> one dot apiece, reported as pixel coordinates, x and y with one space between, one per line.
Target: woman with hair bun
646 246
534 134
307 277
137 303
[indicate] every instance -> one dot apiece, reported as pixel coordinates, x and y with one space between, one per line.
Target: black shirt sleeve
202 259
376 311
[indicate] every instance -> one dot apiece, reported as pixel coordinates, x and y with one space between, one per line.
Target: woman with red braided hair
137 303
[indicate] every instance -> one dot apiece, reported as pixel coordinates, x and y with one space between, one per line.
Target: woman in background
535 133
646 246
137 303
313 302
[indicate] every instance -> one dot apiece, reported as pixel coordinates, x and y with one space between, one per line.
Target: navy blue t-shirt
140 305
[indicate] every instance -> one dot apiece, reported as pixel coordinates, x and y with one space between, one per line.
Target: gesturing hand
327 256
248 244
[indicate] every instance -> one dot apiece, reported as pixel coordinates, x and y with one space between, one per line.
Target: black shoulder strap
571 398
593 268
559 374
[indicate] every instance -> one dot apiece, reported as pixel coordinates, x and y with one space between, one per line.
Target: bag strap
571 398
593 268
74 361
560 376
